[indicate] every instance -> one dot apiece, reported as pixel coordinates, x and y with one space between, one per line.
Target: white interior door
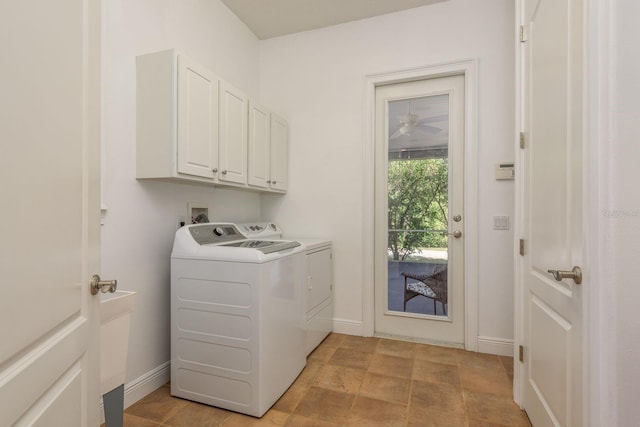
552 212
419 176
50 191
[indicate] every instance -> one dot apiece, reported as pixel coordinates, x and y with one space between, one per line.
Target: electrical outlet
500 222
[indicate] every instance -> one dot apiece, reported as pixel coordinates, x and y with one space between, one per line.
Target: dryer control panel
260 229
206 234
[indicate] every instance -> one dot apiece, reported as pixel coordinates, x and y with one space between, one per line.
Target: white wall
622 218
142 216
316 79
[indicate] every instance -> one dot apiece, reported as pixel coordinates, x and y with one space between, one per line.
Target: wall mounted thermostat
505 171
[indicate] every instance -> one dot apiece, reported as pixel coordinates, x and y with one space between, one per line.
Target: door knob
457 234
457 218
575 274
102 285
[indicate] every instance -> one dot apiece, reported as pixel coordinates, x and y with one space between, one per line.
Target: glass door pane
418 205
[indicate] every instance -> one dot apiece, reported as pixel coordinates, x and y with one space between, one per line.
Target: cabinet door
259 145
197 119
279 153
319 266
233 135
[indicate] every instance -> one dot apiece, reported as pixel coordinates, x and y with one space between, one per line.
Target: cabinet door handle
269 182
224 172
214 170
274 183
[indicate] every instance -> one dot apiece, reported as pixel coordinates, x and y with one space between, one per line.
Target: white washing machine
238 338
318 280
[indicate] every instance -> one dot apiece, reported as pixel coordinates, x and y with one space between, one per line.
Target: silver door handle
224 172
457 234
102 285
575 274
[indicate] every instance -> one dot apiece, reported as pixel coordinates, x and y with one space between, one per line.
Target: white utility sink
115 316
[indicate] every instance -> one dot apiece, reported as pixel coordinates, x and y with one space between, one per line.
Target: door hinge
523 139
522 247
521 354
523 34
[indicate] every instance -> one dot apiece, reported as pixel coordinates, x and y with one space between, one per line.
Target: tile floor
355 381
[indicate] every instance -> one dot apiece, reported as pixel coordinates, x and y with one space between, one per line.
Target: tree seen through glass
418 202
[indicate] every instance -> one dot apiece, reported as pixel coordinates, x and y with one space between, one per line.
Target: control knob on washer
218 231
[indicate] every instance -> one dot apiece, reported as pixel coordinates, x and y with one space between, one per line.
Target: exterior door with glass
419 218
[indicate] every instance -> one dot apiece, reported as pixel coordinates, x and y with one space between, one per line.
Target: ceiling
273 18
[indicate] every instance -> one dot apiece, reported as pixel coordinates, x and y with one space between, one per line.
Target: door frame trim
467 68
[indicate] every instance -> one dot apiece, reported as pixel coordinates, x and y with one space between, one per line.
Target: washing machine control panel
206 234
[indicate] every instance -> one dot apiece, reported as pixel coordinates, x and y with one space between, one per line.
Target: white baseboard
348 327
497 346
143 385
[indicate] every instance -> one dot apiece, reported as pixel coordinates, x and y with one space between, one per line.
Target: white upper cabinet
279 153
268 149
233 134
194 127
259 145
176 118
197 119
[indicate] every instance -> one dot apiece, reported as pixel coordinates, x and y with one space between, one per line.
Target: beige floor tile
290 399
340 378
363 344
481 423
396 348
438 373
372 412
195 414
333 340
507 362
486 381
383 387
495 409
157 406
322 353
482 361
438 419
308 374
300 421
433 353
133 421
326 405
272 418
428 399
351 358
391 365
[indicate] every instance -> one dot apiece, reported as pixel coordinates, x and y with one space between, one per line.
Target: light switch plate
500 222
